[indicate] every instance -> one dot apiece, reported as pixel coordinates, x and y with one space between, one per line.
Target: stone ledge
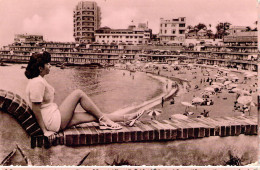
154 130
166 130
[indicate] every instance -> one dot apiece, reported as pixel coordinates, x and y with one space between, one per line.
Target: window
173 31
182 19
165 25
127 36
181 25
173 25
181 31
165 31
161 25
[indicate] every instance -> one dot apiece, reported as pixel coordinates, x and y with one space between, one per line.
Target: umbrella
234 78
197 100
245 93
155 112
221 79
215 86
117 65
209 89
187 104
232 75
236 90
217 83
245 100
232 85
227 82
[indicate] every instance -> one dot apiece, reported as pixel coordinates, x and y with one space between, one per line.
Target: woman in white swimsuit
53 118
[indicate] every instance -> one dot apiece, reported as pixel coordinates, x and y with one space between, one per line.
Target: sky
54 18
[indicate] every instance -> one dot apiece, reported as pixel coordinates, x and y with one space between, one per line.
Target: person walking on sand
53 118
162 101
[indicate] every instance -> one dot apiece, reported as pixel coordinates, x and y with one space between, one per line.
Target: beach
190 77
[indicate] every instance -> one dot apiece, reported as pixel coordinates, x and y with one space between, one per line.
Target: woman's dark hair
36 60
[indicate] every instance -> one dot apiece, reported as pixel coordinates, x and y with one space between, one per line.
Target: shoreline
166 94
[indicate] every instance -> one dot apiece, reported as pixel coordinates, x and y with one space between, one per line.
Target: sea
111 89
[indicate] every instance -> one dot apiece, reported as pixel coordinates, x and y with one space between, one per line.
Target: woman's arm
36 108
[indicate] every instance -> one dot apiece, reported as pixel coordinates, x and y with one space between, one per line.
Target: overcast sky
54 18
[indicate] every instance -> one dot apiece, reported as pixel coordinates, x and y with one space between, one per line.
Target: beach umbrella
253 104
232 75
236 90
221 79
215 86
245 100
187 104
227 82
221 69
218 83
197 100
232 85
235 78
225 77
128 63
244 92
209 89
117 65
155 112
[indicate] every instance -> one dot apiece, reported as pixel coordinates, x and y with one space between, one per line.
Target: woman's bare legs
68 106
92 113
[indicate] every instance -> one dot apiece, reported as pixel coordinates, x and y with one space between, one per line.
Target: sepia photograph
129 83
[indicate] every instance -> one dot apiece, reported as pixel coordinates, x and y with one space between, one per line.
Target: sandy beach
197 76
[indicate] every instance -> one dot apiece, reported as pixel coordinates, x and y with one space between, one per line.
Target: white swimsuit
39 90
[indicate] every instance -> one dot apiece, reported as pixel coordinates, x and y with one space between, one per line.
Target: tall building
172 31
86 19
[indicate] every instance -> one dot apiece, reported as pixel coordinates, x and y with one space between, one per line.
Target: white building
86 19
131 35
172 31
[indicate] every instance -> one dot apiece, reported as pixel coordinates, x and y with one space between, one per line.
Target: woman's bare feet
130 119
106 123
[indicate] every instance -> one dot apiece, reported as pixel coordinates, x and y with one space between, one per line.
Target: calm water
110 89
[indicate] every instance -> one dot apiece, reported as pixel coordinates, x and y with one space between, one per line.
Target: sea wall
206 151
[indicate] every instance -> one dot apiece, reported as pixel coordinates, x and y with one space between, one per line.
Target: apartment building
86 19
172 31
131 35
23 38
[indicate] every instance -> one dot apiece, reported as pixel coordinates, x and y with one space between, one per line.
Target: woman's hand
48 133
